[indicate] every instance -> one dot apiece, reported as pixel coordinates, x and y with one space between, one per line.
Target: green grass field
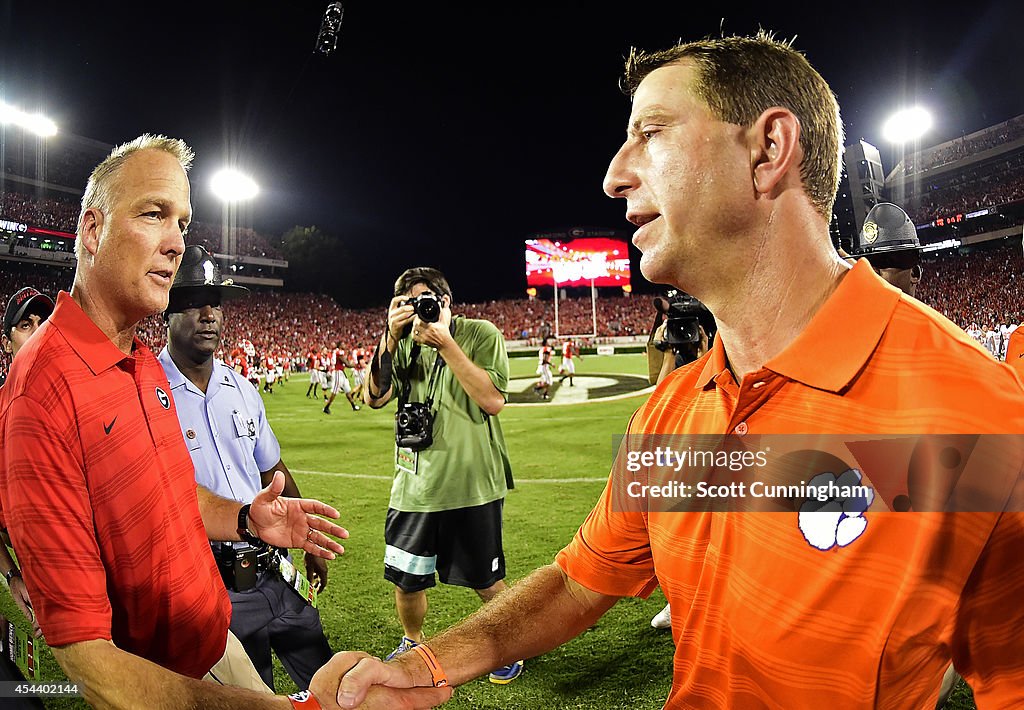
560 456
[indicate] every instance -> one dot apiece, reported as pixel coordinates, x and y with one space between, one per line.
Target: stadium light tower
34 122
907 125
232 187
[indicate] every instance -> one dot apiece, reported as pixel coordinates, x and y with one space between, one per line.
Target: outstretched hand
295 523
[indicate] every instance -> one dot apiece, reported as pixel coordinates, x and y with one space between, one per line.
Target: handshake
353 679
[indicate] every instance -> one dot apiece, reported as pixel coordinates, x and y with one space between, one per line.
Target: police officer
235 454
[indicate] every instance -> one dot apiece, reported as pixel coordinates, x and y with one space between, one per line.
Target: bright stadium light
35 122
907 125
232 186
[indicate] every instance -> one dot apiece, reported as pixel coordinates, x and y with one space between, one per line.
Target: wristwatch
243 527
11 574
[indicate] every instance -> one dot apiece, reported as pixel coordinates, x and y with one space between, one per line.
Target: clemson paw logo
830 519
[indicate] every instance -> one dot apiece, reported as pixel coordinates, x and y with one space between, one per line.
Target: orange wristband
437 674
304 700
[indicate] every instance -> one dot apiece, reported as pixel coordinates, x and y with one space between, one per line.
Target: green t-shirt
468 461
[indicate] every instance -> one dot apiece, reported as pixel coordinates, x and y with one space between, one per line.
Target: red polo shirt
760 617
100 499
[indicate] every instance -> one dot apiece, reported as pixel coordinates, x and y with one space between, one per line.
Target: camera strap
432 385
414 356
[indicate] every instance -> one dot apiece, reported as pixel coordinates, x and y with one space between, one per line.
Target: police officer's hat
199 273
888 235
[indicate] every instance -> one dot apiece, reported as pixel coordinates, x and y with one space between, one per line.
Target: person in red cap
26 311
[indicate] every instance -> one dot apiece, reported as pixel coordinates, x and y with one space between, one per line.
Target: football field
561 454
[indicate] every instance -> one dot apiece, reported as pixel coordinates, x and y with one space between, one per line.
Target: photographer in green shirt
450 375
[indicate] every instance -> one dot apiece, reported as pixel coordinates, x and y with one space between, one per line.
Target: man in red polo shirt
729 171
98 487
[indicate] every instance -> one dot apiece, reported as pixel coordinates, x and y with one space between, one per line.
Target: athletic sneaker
663 619
327 410
407 644
507 674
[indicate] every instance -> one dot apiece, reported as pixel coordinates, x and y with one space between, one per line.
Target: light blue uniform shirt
226 430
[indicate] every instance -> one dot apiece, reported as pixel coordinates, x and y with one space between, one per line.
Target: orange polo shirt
760 618
1015 351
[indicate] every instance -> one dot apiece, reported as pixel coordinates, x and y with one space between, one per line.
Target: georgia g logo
162 397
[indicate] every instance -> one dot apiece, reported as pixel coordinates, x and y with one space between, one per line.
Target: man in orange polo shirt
729 170
98 487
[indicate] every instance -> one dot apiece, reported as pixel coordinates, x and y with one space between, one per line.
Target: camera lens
428 309
403 419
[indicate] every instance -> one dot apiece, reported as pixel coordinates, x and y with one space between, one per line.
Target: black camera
684 316
426 305
414 426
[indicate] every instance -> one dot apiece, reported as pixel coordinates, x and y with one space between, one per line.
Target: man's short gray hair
98 190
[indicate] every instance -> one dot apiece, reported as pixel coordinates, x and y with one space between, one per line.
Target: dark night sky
448 132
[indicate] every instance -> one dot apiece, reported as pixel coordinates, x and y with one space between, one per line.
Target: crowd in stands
984 288
299 322
59 212
932 158
987 186
534 320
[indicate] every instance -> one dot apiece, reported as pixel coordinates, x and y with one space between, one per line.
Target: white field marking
577 394
372 477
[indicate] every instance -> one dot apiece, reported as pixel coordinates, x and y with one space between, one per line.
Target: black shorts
463 546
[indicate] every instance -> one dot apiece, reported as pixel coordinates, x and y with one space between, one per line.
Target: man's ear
89 232
775 153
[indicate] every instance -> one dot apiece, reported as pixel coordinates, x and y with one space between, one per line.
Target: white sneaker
663 619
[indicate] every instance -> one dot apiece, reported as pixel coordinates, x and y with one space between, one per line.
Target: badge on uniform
162 397
406 459
243 427
297 581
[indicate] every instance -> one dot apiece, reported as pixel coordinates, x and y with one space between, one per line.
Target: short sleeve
268 451
490 355
611 552
49 516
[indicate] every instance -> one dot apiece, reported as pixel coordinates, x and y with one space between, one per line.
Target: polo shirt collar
838 341
175 377
92 345
714 365
843 334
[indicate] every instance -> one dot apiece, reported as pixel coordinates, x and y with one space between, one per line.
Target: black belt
242 564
